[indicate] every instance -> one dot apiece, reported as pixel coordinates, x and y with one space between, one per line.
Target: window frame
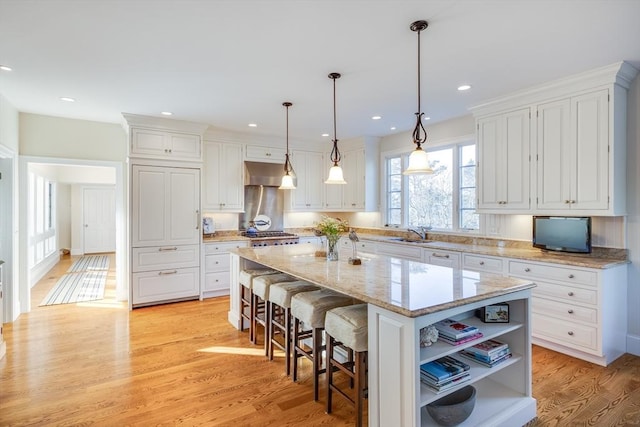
456 146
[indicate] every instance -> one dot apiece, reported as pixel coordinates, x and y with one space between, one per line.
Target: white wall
63 215
633 219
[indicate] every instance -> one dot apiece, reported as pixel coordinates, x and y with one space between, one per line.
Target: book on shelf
448 384
460 341
488 347
490 364
427 379
455 329
492 357
443 368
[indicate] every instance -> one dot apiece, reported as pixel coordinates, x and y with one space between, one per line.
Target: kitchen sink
404 239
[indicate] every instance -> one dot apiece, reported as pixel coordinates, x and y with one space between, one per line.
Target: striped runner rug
77 287
90 263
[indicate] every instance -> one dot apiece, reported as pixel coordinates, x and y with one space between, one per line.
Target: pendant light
287 178
418 160
335 173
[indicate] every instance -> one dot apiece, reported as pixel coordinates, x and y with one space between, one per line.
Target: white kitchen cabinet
443 258
354 192
223 183
363 246
503 393
482 263
159 144
257 153
165 234
581 312
400 250
503 161
216 265
310 186
573 153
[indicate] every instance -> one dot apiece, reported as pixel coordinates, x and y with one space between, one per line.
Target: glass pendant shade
418 163
287 183
335 176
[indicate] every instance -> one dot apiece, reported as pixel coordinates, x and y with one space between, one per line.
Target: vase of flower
332 247
331 228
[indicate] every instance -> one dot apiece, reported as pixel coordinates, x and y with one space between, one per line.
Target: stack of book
455 332
444 373
488 353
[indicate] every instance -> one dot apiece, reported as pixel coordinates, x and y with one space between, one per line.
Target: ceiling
231 63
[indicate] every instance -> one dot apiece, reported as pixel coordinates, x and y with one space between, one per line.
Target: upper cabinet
223 188
257 153
576 135
309 172
503 160
164 139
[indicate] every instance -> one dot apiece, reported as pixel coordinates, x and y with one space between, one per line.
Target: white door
99 219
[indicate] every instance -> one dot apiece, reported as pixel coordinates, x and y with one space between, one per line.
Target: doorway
99 219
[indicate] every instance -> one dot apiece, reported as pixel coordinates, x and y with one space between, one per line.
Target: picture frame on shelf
496 313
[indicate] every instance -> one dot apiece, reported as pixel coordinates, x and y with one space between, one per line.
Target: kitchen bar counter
423 289
404 297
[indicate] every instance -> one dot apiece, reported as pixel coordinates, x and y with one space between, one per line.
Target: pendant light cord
287 162
335 153
417 138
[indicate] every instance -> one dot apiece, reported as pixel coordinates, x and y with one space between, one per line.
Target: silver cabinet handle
481 262
166 273
527 269
570 332
570 311
570 294
439 255
571 276
175 248
198 220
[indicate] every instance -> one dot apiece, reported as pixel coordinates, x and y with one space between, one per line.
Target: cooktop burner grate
263 234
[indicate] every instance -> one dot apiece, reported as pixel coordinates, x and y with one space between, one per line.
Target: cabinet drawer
566 293
401 251
216 262
216 281
165 285
565 274
165 257
222 247
361 246
569 334
545 307
481 263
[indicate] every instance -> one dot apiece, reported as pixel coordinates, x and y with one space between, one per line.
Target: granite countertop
424 288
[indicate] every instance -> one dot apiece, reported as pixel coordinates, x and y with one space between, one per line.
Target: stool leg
317 359
296 334
267 327
359 369
242 289
287 340
253 312
329 362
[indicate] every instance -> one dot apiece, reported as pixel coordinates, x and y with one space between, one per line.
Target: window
445 200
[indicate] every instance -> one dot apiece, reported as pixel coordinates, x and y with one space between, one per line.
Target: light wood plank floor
183 364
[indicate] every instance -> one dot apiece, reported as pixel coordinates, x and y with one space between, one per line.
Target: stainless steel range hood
267 174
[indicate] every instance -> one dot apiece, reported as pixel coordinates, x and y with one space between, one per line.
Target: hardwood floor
183 364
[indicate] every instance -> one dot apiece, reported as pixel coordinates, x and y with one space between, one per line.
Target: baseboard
75 251
633 344
43 267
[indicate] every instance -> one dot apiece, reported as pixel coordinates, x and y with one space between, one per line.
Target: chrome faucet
421 231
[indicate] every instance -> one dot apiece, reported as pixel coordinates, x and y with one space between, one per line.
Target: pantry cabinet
503 161
223 172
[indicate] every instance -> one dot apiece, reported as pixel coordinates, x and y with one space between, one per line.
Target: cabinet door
223 177
149 142
503 160
354 170
165 206
308 169
443 258
589 112
265 154
184 145
211 188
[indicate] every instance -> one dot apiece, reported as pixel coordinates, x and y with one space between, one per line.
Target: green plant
331 226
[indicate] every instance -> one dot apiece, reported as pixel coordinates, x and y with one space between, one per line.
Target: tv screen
561 233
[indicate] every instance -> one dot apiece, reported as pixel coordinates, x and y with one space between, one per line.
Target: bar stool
280 296
348 327
260 304
309 309
246 281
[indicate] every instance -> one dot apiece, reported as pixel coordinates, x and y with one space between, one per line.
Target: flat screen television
562 233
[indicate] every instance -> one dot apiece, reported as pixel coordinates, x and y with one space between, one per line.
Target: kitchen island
403 297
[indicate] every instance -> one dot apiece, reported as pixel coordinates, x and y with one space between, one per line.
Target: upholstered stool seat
348 327
245 278
260 296
309 309
280 295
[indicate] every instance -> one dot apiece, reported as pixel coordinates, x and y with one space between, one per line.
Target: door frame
122 253
9 232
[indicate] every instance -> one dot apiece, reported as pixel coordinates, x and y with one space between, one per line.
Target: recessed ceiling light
5 68
393 128
464 87
376 117
166 113
253 125
325 134
67 99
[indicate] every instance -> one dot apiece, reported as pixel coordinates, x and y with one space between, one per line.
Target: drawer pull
527 269
570 333
571 276
217 262
570 311
481 262
166 273
168 249
440 255
570 294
